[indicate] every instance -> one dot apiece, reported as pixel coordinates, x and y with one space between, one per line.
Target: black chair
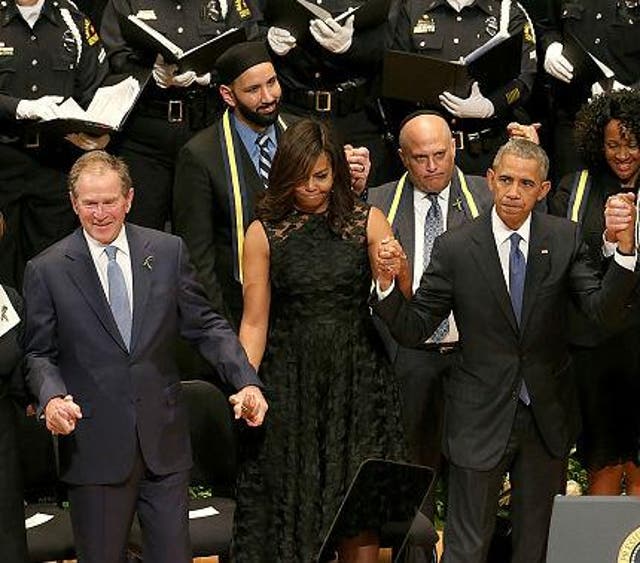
214 444
44 494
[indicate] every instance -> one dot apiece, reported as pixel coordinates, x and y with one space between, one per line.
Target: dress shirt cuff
628 262
382 294
608 247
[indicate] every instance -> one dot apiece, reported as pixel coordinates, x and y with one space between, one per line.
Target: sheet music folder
400 487
295 15
585 69
122 108
420 78
200 59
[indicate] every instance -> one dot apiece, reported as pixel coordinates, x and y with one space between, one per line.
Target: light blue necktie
433 227
517 272
118 297
264 158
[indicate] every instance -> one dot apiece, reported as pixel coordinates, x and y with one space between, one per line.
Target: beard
259 119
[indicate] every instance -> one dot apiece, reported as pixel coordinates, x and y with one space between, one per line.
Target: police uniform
62 55
434 28
608 29
339 87
165 119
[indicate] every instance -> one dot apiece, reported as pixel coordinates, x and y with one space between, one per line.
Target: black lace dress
333 399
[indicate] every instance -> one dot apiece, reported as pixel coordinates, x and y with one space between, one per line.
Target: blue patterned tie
517 272
433 226
264 160
118 297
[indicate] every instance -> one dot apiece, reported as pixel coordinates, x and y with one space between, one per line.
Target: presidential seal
630 548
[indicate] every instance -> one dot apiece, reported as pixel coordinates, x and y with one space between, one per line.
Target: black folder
400 488
421 79
200 59
295 15
585 70
63 126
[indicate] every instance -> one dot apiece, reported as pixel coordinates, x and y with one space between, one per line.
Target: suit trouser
102 515
536 477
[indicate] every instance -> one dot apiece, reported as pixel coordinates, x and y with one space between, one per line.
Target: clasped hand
390 262
249 404
359 166
620 220
61 415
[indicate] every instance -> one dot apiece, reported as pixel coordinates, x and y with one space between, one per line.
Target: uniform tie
264 160
517 271
118 297
433 227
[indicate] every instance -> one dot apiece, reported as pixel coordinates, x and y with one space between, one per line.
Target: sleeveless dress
333 399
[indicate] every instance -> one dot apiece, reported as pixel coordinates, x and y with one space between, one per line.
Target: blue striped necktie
118 296
264 159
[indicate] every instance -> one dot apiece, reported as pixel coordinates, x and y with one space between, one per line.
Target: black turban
240 57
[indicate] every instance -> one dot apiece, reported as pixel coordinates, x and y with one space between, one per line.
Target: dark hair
299 148
623 105
99 162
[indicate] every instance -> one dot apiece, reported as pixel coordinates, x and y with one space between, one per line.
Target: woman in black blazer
12 532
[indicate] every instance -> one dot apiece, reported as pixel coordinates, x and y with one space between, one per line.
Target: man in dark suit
104 308
427 150
510 404
224 168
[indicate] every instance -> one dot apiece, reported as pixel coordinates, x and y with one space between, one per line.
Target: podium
595 529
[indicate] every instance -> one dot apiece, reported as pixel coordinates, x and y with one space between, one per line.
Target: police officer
329 72
48 51
451 29
608 30
174 106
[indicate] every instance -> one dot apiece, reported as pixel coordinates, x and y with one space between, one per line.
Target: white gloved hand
596 90
331 35
619 86
163 73
203 79
556 64
280 40
476 105
88 142
42 108
184 80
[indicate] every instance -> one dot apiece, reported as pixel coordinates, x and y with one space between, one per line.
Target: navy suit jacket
73 346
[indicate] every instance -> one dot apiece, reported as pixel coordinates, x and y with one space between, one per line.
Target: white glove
88 142
556 64
203 79
619 86
280 40
42 108
331 35
184 80
597 89
476 105
163 72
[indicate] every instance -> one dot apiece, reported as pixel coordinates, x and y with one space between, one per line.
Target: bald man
427 152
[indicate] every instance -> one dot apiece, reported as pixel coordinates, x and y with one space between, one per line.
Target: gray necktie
118 297
264 160
433 227
517 272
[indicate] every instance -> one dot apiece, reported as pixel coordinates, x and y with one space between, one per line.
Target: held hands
250 404
359 166
620 220
61 415
475 106
280 40
42 108
556 64
390 262
331 35
520 131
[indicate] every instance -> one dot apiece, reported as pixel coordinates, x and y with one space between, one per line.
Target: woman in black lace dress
306 326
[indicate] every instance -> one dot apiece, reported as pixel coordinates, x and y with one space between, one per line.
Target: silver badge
491 26
68 41
212 11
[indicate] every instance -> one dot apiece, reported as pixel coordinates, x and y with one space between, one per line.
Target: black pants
35 204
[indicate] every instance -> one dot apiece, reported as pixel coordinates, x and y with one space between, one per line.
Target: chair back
213 437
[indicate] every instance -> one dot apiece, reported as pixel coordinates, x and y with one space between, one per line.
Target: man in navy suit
510 402
105 307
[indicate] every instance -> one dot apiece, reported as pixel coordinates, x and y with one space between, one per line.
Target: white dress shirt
101 261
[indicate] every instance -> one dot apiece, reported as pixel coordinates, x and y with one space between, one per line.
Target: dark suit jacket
482 393
404 222
203 215
73 345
